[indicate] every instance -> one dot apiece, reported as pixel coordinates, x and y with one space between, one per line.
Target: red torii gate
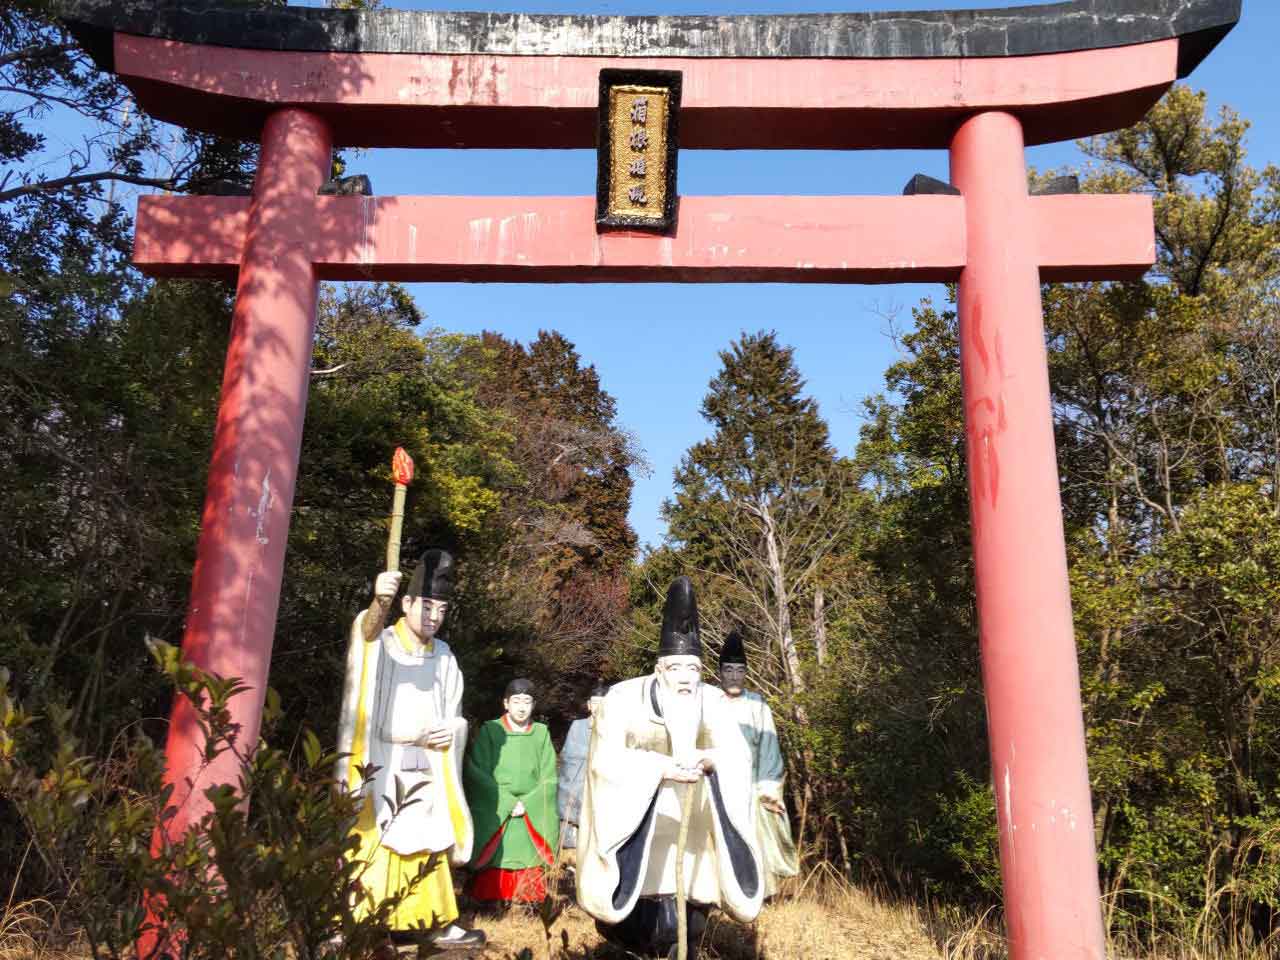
979 83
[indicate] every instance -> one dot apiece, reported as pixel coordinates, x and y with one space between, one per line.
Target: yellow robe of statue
395 691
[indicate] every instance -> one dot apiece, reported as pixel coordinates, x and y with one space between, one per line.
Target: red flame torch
402 473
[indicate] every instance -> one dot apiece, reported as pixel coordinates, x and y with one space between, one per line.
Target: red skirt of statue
525 885
519 886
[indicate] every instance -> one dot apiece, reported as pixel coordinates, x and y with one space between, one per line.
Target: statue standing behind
773 829
655 738
401 712
573 769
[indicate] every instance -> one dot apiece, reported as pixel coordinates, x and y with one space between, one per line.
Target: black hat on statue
680 636
433 577
518 686
733 650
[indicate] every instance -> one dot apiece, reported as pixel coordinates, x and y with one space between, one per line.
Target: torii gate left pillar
981 84
235 586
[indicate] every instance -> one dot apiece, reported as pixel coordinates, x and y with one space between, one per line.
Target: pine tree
761 503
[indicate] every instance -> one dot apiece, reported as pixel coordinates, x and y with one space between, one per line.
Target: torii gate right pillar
1027 641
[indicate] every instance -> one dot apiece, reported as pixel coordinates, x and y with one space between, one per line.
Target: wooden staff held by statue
402 475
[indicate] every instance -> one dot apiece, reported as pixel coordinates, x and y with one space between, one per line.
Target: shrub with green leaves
274 878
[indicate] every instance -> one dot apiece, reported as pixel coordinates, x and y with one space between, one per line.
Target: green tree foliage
1165 410
107 389
108 385
926 760
765 515
758 505
555 582
377 384
50 82
1166 401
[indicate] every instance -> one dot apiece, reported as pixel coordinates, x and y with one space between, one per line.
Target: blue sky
655 345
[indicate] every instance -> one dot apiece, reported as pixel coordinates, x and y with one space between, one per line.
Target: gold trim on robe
431 903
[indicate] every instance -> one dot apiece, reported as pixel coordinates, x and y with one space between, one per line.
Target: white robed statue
654 739
773 828
402 713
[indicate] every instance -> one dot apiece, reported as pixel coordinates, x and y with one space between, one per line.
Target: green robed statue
510 777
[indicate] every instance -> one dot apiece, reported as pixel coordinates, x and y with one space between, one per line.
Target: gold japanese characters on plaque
637 149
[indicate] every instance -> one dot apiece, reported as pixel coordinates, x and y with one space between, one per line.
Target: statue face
424 616
733 676
680 675
519 707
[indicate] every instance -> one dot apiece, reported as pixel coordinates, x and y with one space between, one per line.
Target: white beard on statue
631 813
683 713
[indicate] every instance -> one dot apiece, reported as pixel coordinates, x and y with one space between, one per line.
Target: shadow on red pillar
235 587
1029 667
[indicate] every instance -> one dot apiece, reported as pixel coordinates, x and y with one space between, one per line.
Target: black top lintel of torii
1005 32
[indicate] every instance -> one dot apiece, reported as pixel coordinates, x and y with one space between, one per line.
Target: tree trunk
819 625
781 599
846 862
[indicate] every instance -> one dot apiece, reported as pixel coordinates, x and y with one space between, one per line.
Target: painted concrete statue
401 712
573 769
657 740
510 778
773 829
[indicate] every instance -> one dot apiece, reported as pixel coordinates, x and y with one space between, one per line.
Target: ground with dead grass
830 919
842 923
846 924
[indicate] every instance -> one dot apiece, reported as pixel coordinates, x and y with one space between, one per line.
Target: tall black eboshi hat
733 651
433 577
680 635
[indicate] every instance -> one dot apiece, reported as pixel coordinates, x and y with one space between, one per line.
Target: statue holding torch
402 713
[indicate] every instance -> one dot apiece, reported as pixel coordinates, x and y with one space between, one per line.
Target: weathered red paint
438 100
235 588
718 239
1024 603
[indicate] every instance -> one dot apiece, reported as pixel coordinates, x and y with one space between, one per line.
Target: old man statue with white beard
656 739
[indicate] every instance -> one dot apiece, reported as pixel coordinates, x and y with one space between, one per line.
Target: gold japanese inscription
638 151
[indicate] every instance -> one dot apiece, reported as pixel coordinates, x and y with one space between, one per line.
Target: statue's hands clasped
679 773
682 773
518 809
439 737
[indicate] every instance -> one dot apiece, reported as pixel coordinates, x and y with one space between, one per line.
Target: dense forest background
850 575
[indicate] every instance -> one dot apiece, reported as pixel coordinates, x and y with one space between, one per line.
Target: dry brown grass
827 918
815 921
20 927
823 917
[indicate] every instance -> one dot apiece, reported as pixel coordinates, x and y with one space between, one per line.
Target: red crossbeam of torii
551 239
980 84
